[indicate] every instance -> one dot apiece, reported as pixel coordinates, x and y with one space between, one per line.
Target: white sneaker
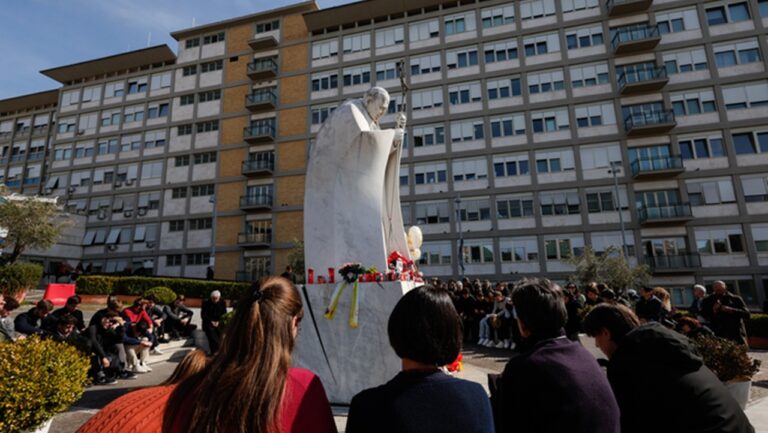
489 343
481 342
146 366
155 351
506 344
500 345
512 345
138 368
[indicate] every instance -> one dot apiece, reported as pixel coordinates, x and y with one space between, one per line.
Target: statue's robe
352 197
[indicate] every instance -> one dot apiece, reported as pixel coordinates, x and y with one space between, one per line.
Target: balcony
662 166
254 239
261 100
254 167
260 132
249 276
632 39
649 123
261 43
35 156
643 80
622 7
675 263
675 213
262 69
256 202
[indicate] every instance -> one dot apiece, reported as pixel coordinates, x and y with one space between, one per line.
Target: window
71 97
467 130
152 170
114 89
599 156
204 158
200 223
425 64
719 240
62 154
209 126
541 44
595 115
710 192
429 173
198 259
184 130
604 201
427 99
267 26
133 114
130 143
584 37
747 143
176 226
755 188
563 247
181 161
395 103
554 161
746 95
436 253
513 250
108 118
475 210
731 13
389 36
211 95
503 88
737 53
107 146
694 102
763 6
604 240
69 125
202 190
172 260
560 203
191 43
465 93
180 192
92 93
688 60
514 206
549 121
434 212
511 165
215 65
160 81
189 70
357 75
498 16
760 235
701 147
478 251
428 135
320 113
569 6
325 49
589 75
423 30
678 20
137 85
386 71
461 57
469 169
187 99
325 81
214 38
500 51
536 9
507 126
548 81
356 43
157 110
459 23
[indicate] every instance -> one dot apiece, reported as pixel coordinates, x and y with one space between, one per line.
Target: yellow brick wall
293 122
231 161
228 196
227 229
227 264
289 226
293 89
292 155
294 58
236 71
289 190
232 130
234 98
294 27
281 260
238 37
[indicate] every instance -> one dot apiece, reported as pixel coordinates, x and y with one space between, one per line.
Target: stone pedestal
349 360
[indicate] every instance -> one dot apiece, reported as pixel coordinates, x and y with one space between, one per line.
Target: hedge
19 277
757 325
137 286
163 295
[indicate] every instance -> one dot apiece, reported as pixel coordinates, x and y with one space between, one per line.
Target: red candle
331 275
310 276
320 279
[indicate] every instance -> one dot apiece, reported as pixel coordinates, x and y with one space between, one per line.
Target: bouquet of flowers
350 274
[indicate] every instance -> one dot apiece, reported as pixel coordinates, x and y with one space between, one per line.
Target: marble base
349 360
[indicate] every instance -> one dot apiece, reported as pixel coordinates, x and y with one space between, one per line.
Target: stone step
172 351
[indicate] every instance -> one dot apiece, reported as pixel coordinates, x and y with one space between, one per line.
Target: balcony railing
258 167
35 156
262 43
261 100
650 122
259 132
263 201
643 80
660 214
31 181
635 38
621 7
673 263
657 166
261 69
250 276
254 238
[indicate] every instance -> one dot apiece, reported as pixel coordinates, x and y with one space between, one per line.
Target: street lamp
461 234
614 169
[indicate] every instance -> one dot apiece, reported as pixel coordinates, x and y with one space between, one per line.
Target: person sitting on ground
425 332
66 332
574 302
193 362
113 304
30 323
725 313
497 307
69 308
593 295
212 311
649 308
555 385
104 337
692 328
137 345
178 318
157 314
137 313
7 328
252 372
650 364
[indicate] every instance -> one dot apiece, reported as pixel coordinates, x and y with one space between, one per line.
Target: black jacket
28 323
51 321
725 324
104 341
212 312
650 310
663 387
173 312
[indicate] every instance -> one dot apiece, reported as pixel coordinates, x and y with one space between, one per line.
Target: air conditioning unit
81 132
129 182
112 247
72 189
48 191
128 213
102 214
118 184
150 244
142 211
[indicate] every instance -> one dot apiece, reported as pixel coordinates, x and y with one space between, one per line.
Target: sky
42 34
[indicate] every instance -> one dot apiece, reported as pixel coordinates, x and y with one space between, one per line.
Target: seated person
31 322
65 331
692 328
137 344
178 318
157 314
7 328
137 313
104 338
425 332
113 304
69 308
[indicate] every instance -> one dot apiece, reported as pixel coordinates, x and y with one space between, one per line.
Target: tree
610 268
296 259
31 224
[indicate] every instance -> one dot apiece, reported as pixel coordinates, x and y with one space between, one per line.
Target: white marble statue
352 199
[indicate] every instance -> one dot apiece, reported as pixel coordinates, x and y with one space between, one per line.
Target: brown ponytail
241 389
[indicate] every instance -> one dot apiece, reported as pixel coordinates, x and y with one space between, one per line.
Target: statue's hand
399 136
400 121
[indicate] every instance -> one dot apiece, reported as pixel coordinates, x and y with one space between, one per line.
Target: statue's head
376 101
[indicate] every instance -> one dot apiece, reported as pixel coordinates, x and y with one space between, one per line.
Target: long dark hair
241 389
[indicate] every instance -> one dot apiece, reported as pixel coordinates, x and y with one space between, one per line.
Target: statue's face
377 107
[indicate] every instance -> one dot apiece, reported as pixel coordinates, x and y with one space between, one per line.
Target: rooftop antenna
149 39
193 21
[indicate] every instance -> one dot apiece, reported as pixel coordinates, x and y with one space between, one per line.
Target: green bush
138 286
38 379
757 325
19 277
725 358
163 295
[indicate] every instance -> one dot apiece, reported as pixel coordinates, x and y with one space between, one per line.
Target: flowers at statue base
402 268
